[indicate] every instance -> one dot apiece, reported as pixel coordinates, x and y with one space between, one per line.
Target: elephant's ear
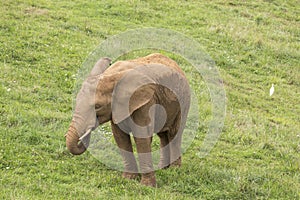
100 66
132 92
141 97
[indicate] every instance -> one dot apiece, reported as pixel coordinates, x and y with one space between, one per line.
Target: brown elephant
142 96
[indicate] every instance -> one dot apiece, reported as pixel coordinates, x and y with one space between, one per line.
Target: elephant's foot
148 179
162 165
164 161
129 175
176 163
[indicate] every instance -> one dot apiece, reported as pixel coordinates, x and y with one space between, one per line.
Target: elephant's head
85 117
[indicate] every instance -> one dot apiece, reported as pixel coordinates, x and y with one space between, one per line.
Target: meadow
254 44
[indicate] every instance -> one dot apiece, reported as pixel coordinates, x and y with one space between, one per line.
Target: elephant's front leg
143 146
124 143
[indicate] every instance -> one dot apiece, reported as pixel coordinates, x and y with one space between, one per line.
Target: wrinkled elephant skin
142 96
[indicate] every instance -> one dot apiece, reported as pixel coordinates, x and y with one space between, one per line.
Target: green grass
254 44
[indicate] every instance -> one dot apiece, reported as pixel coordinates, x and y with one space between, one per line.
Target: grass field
254 43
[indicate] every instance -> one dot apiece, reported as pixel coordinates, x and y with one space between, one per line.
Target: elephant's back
156 58
159 59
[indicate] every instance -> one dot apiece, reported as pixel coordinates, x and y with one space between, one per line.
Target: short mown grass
254 43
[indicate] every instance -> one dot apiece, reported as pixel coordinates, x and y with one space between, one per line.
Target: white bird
272 90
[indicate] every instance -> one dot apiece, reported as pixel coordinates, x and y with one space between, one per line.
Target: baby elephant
142 96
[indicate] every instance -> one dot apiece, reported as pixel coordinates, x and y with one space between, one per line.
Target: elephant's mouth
85 138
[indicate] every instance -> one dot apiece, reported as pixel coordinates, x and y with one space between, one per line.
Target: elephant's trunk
72 141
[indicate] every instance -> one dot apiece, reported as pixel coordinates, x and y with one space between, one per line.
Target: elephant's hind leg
124 143
164 161
175 151
175 138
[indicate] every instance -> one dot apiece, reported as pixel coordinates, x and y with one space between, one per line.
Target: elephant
138 97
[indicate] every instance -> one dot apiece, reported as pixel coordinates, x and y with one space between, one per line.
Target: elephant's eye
97 106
